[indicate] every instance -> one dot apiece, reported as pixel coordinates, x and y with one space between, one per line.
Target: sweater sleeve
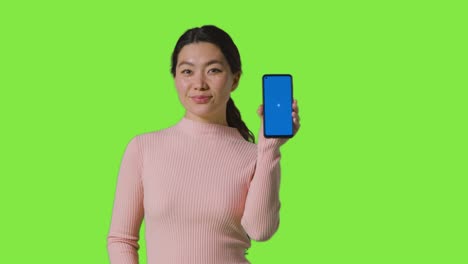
127 214
261 213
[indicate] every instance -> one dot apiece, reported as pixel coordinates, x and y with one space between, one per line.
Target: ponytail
234 119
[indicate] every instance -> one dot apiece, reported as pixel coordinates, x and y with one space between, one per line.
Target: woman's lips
201 99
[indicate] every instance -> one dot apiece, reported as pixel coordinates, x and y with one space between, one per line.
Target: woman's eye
186 71
215 70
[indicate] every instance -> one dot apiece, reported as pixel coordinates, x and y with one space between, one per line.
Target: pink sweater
203 191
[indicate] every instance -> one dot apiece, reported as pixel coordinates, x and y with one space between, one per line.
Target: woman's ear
236 80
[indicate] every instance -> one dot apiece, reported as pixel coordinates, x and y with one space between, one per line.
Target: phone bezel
264 112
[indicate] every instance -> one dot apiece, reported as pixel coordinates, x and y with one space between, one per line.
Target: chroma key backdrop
377 173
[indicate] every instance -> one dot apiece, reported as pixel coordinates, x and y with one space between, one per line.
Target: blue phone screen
277 105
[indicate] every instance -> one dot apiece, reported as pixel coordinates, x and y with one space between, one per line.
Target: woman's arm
127 214
261 213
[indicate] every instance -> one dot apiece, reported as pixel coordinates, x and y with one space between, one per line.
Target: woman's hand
296 122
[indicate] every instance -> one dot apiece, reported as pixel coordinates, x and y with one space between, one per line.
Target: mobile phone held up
277 105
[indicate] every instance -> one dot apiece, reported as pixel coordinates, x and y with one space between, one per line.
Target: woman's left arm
261 212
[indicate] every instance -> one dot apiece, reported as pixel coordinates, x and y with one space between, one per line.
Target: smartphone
277 105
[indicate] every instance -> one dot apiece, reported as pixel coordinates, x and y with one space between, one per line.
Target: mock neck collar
201 129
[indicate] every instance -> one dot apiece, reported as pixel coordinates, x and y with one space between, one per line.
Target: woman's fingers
295 107
295 115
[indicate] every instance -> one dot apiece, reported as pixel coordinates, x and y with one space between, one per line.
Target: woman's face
204 82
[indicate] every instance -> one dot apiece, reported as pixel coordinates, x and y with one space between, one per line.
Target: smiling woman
204 82
209 54
203 187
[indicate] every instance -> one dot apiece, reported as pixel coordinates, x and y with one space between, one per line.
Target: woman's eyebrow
214 62
185 62
206 64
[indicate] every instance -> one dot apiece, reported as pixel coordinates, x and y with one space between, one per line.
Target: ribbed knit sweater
203 191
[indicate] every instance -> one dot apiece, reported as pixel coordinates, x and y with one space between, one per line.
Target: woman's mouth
202 99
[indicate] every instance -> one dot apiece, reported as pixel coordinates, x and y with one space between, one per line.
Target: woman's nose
200 82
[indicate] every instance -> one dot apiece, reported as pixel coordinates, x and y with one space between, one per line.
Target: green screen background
377 173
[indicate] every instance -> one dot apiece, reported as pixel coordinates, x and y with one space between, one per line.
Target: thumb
260 111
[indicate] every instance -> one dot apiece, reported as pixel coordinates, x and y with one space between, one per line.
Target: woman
203 187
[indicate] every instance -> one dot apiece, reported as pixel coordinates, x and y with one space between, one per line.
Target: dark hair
223 41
